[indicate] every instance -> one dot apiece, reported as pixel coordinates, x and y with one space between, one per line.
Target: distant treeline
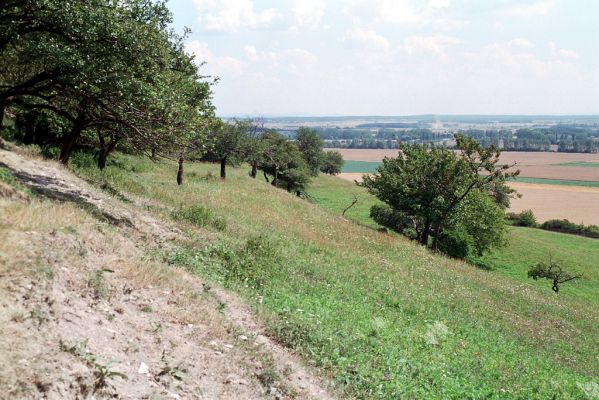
566 138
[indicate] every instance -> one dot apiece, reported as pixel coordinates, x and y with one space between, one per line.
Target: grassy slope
384 317
528 246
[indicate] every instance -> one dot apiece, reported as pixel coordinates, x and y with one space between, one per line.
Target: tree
310 144
253 146
283 160
429 185
552 271
332 162
102 64
228 139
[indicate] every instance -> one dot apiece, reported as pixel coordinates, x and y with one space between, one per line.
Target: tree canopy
439 193
110 67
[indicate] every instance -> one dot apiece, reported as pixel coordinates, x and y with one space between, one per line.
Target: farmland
553 185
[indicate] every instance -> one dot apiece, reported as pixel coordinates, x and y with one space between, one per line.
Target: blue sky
396 57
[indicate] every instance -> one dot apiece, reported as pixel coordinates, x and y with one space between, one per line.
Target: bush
83 160
456 243
565 226
524 218
200 216
384 215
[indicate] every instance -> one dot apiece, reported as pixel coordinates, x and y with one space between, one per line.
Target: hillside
378 315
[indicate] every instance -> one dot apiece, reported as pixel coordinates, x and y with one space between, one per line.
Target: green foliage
200 216
310 144
524 218
399 222
565 226
553 271
112 68
283 160
440 190
332 163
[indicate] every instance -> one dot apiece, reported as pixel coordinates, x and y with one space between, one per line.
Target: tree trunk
437 233
425 233
69 141
275 178
153 153
223 166
105 150
2 110
180 172
265 176
254 171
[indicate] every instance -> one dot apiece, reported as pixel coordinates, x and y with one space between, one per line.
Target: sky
396 57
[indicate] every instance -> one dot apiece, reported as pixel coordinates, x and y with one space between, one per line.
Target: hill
379 315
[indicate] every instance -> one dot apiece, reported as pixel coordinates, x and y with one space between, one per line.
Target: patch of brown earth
88 309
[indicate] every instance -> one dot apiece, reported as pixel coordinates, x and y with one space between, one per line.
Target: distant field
581 164
553 185
543 165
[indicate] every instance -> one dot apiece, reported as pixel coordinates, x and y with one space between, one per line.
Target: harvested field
531 164
576 203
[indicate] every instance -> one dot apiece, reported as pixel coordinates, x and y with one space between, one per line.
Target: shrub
384 215
565 226
525 218
200 216
552 271
456 243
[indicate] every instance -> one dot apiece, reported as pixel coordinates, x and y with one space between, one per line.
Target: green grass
589 164
528 246
367 167
337 194
383 317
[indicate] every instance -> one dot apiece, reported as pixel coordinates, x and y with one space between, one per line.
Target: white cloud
214 64
232 15
435 45
564 53
437 4
294 59
568 53
368 39
400 12
538 8
503 58
308 13
521 42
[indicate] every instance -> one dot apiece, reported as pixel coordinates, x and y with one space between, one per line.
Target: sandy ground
530 164
576 203
86 312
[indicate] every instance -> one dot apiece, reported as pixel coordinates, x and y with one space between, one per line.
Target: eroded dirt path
85 312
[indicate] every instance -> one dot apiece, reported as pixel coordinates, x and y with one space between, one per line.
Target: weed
147 308
46 272
178 372
97 282
200 216
39 316
102 373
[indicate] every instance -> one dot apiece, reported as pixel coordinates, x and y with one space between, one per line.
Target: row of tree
283 162
104 72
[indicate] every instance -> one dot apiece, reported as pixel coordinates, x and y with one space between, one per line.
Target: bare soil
87 311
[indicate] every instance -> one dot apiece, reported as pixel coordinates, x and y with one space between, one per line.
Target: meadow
383 317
